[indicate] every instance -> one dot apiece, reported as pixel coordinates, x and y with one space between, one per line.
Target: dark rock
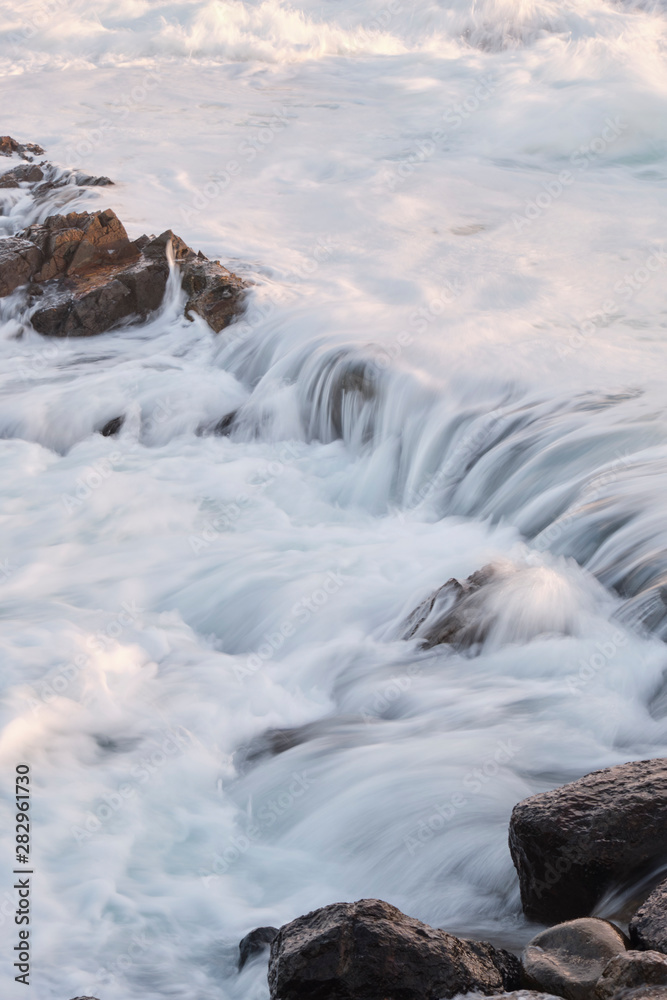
88 277
19 261
514 995
224 426
369 949
24 172
9 146
112 427
631 970
85 180
255 942
453 614
568 959
648 927
574 843
645 993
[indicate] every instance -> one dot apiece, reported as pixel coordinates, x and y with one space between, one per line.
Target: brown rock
568 959
574 843
369 950
19 261
648 927
631 970
91 277
214 293
9 146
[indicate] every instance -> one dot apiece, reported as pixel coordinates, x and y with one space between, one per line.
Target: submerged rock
574 843
112 427
453 614
255 942
568 959
369 949
86 276
632 970
648 927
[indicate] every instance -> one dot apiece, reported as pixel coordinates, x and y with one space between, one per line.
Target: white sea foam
453 355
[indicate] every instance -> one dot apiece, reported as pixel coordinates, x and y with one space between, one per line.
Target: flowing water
453 218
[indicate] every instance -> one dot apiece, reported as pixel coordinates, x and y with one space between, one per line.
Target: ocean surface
453 218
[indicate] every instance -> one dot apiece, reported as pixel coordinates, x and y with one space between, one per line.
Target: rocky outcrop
572 844
632 970
84 275
255 943
568 959
369 949
9 146
648 927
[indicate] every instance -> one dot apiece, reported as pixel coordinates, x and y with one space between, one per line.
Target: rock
213 292
648 927
9 146
645 993
568 959
514 995
369 949
19 261
24 172
453 614
85 180
87 276
224 426
631 970
574 843
112 427
255 942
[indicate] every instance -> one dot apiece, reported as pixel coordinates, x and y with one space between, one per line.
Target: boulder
648 927
255 942
573 844
86 276
369 949
632 970
568 959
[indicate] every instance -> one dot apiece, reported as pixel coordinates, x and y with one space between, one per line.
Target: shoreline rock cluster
570 846
81 275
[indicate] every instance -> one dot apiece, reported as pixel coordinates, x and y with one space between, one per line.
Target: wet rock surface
84 276
632 970
453 614
573 844
369 949
255 943
568 959
648 927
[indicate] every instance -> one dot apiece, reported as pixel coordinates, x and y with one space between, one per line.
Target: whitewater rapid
453 220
